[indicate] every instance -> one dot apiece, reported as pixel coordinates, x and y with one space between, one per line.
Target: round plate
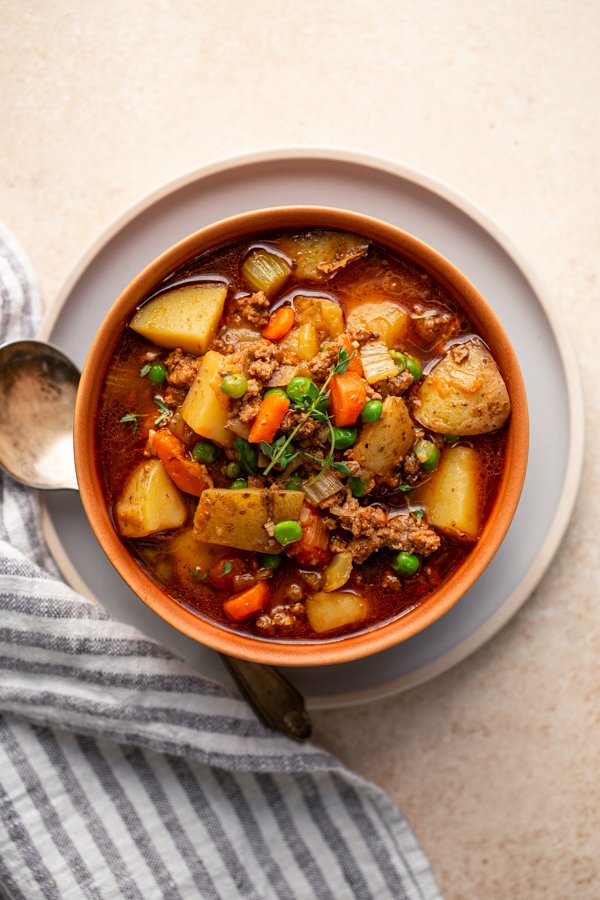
328 177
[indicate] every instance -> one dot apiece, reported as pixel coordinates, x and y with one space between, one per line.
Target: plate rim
574 389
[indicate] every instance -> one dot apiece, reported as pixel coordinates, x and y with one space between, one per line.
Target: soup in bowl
301 435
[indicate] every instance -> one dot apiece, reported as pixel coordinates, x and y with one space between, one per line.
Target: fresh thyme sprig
276 451
328 462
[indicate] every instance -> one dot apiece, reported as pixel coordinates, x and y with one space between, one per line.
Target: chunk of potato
386 318
382 444
452 494
335 609
206 407
318 254
464 394
149 502
303 342
185 317
238 518
324 314
192 558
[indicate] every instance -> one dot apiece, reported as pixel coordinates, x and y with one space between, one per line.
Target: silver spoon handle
276 701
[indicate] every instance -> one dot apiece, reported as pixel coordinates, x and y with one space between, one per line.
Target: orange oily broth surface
381 276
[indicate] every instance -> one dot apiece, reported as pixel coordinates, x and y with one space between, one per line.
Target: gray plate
452 225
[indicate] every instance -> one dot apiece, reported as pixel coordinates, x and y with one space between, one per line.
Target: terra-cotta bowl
297 652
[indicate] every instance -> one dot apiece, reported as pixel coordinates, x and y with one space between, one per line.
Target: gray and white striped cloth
125 774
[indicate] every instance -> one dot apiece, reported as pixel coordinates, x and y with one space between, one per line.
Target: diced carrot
313 547
279 323
268 419
189 476
244 605
355 364
347 398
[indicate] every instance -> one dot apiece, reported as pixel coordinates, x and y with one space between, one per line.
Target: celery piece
265 271
377 362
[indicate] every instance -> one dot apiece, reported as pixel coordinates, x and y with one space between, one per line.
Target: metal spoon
38 385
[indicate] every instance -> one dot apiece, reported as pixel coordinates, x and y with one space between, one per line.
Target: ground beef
173 396
311 431
253 308
396 386
281 617
321 365
244 410
433 326
181 368
371 529
256 360
459 353
412 472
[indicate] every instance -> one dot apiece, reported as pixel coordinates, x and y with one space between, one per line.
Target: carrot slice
244 605
355 364
189 475
268 419
347 398
279 323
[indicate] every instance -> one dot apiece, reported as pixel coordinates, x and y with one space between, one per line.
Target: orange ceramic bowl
297 652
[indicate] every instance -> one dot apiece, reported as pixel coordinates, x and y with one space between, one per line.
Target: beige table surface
496 762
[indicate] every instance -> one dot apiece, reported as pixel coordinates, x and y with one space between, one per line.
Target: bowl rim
253 224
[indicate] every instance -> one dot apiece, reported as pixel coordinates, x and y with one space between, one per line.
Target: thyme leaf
165 411
132 419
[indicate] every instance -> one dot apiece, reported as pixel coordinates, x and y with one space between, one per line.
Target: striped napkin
126 774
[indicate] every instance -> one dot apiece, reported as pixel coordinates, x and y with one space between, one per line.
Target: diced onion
282 376
377 362
324 485
338 571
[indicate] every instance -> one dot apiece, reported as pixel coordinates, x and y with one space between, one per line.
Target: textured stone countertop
495 762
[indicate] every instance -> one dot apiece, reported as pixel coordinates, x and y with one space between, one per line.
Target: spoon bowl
38 385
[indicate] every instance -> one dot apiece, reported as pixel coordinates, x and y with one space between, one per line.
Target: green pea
247 455
234 385
301 387
233 470
269 560
279 391
406 564
295 483
371 411
205 452
414 367
239 484
358 487
399 358
450 438
427 453
287 532
157 373
344 437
